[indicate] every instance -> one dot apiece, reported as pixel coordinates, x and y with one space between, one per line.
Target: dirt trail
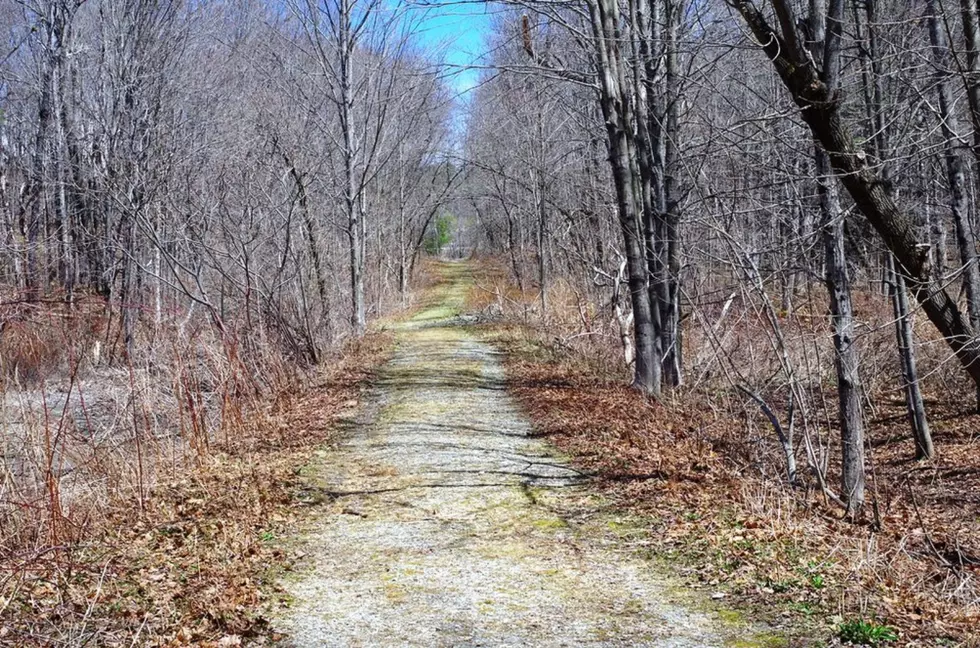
449 525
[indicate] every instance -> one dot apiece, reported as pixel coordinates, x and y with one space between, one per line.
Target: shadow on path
446 523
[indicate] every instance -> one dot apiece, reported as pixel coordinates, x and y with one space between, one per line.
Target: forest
727 245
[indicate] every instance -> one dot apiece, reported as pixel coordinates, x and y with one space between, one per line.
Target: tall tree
826 26
879 138
821 110
956 169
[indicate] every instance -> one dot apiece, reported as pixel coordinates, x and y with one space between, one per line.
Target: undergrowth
191 560
706 474
861 632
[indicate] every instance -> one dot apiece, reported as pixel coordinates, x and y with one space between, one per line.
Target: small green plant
267 536
782 586
804 608
865 633
813 574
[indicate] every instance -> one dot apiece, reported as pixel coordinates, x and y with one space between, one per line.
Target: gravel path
449 525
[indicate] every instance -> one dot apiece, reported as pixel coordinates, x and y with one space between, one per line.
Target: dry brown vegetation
141 505
704 472
117 532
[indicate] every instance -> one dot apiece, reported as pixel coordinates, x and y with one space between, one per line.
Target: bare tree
821 110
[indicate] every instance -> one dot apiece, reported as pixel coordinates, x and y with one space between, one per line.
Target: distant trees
183 159
440 235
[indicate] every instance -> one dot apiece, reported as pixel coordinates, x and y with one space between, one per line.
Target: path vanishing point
449 524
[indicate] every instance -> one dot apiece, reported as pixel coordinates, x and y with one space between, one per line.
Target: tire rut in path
449 525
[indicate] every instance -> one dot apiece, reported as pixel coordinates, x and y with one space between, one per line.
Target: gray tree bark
825 27
670 303
352 198
619 119
821 111
956 171
971 38
910 376
898 293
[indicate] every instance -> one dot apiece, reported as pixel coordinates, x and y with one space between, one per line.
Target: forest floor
711 493
446 522
192 562
454 479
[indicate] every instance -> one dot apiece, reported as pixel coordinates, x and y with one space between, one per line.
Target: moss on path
449 525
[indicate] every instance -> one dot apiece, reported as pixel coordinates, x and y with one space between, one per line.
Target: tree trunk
846 354
971 38
355 225
646 167
825 27
34 203
896 283
402 240
538 188
821 110
910 377
605 20
312 245
671 303
955 170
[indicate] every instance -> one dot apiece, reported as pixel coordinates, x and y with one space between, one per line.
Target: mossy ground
446 523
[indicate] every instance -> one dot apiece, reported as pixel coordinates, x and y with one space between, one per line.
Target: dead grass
188 561
40 339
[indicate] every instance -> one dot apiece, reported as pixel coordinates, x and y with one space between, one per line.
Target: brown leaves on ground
717 506
193 566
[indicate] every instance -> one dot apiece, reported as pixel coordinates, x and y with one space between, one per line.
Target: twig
778 427
918 515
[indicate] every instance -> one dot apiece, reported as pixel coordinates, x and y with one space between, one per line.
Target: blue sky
458 32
